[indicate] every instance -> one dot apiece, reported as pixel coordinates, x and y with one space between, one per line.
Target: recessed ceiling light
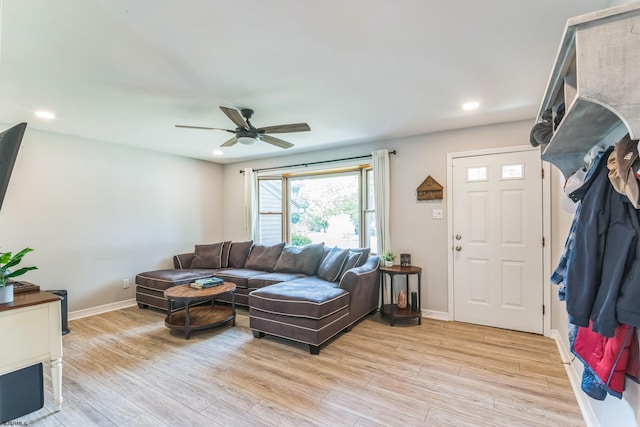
217 152
47 115
472 105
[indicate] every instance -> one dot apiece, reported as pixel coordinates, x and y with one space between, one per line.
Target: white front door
497 240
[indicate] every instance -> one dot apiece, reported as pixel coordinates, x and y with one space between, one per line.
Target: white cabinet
31 332
597 76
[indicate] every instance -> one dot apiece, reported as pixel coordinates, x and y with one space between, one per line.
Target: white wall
412 229
98 213
612 3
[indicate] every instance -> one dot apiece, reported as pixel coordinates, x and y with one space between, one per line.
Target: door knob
458 248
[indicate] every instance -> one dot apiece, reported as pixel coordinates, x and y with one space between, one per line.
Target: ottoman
150 285
310 313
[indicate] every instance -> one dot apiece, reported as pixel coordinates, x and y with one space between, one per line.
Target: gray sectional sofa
303 293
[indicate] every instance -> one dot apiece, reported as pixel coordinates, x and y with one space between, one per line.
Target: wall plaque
430 189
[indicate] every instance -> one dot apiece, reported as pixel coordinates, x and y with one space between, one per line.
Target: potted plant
8 260
387 258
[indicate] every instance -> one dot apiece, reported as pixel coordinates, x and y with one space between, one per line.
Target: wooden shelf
399 313
594 76
200 317
585 124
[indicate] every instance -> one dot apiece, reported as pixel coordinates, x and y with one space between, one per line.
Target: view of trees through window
325 209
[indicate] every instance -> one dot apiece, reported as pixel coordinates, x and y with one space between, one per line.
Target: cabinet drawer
25 336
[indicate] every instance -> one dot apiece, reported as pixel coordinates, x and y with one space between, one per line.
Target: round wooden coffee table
201 316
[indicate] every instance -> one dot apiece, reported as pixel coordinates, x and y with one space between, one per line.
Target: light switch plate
436 214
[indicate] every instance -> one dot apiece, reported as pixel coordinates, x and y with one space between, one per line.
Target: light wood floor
125 368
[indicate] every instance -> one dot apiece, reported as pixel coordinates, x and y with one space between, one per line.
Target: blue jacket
604 250
628 305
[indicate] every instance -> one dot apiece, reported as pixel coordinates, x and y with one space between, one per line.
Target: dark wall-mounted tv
10 141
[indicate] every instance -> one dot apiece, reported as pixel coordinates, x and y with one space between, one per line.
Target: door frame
546 227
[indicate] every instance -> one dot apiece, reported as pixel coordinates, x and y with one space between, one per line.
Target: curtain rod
314 163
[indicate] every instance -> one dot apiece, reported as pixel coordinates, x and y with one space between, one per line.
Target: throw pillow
226 250
365 255
238 253
325 252
331 266
353 257
264 257
207 256
300 259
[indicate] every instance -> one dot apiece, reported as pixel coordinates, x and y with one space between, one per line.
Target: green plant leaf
5 257
17 258
7 261
20 272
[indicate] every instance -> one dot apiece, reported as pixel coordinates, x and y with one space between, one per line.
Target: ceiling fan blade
230 142
235 117
276 141
293 127
200 127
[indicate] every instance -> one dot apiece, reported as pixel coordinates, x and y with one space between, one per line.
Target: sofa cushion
238 253
365 255
262 280
164 279
207 256
331 266
353 258
183 261
301 329
239 276
264 257
325 252
297 299
226 250
300 259
313 281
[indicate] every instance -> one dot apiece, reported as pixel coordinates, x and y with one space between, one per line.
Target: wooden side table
392 311
201 316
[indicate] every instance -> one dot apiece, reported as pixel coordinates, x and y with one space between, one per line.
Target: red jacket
610 359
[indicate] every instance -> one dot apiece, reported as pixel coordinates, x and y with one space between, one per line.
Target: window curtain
381 191
250 205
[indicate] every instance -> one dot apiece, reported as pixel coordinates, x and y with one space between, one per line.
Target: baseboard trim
436 315
569 362
78 314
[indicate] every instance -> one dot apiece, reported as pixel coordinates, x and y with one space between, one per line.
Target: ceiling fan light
247 140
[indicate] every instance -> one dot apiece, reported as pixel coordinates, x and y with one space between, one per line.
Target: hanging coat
610 360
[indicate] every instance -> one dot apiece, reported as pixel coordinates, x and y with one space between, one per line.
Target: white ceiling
126 71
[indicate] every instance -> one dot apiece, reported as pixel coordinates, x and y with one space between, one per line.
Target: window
270 210
513 171
325 209
478 173
326 206
369 238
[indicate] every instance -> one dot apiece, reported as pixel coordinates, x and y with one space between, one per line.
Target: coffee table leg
233 307
187 327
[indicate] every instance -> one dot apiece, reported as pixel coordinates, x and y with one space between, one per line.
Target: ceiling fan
246 133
